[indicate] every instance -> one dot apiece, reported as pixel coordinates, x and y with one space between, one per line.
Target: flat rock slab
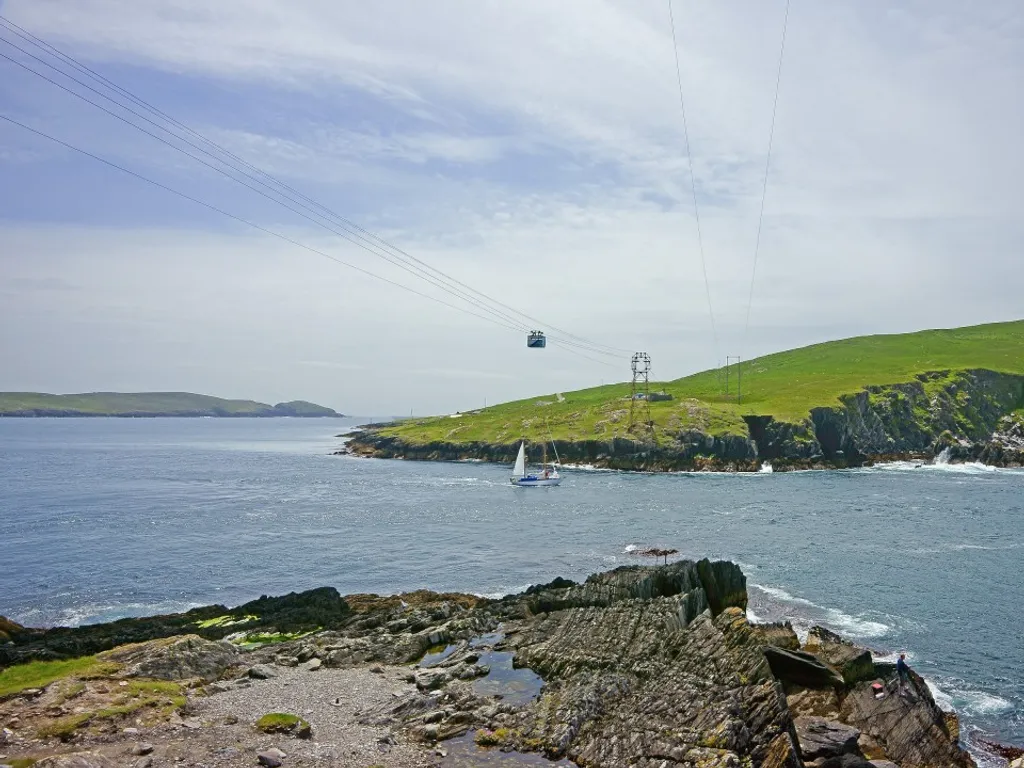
819 737
801 668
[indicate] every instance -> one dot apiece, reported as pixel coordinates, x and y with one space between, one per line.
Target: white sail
520 468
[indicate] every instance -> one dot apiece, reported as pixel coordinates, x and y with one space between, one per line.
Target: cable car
536 340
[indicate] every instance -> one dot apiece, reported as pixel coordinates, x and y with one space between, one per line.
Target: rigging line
248 223
767 163
39 43
561 342
693 179
369 247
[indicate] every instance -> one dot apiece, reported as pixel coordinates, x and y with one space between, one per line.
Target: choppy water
101 518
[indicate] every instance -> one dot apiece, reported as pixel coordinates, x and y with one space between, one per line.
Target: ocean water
103 518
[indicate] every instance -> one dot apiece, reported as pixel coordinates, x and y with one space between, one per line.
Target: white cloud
892 204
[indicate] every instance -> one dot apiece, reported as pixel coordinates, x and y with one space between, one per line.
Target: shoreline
356 448
348 640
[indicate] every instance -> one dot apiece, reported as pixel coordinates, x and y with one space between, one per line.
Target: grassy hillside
148 403
786 385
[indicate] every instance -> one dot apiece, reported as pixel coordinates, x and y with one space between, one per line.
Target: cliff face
968 414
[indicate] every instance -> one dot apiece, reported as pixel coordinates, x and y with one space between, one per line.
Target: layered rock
852 662
649 667
910 727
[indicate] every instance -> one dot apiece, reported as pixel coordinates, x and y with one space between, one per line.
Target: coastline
632 456
563 641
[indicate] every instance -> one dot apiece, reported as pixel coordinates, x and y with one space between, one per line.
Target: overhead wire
693 178
767 164
395 255
275 234
244 221
346 236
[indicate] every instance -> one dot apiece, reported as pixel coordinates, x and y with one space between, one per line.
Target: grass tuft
39 674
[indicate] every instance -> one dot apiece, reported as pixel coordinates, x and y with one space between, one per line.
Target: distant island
149 404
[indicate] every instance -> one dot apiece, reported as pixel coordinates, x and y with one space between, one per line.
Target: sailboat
544 477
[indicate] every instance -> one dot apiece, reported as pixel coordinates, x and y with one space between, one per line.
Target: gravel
331 700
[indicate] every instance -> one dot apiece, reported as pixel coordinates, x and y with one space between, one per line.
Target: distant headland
149 404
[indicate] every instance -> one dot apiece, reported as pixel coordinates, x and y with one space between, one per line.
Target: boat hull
528 482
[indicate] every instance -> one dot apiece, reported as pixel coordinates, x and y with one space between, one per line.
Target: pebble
275 752
142 748
268 760
144 762
130 731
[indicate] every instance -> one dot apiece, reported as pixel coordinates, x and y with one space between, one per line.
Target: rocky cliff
970 415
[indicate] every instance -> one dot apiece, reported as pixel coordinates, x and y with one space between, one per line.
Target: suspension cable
767 163
693 178
418 268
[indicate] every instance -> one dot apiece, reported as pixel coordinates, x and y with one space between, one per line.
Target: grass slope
786 385
169 403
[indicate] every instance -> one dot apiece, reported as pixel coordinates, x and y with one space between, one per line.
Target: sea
106 518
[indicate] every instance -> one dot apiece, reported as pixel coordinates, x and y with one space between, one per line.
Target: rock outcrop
852 662
176 658
648 667
910 727
314 609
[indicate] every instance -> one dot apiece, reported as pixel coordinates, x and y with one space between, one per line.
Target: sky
534 151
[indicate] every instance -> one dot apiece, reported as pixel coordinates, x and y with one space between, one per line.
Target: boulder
779 634
819 737
910 727
852 662
1018 763
801 668
261 672
175 658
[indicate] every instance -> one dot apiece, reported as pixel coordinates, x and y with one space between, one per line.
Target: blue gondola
536 340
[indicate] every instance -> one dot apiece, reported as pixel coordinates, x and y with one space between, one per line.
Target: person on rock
902 672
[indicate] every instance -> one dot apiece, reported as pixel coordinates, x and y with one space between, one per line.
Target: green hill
784 388
147 404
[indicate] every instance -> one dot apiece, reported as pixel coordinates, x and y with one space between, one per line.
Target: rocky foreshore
970 416
647 667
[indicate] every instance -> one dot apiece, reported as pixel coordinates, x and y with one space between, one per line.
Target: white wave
503 592
943 699
981 703
857 625
752 617
630 549
890 657
963 468
780 594
94 613
957 696
766 468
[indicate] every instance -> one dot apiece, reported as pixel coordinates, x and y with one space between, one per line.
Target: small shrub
282 722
